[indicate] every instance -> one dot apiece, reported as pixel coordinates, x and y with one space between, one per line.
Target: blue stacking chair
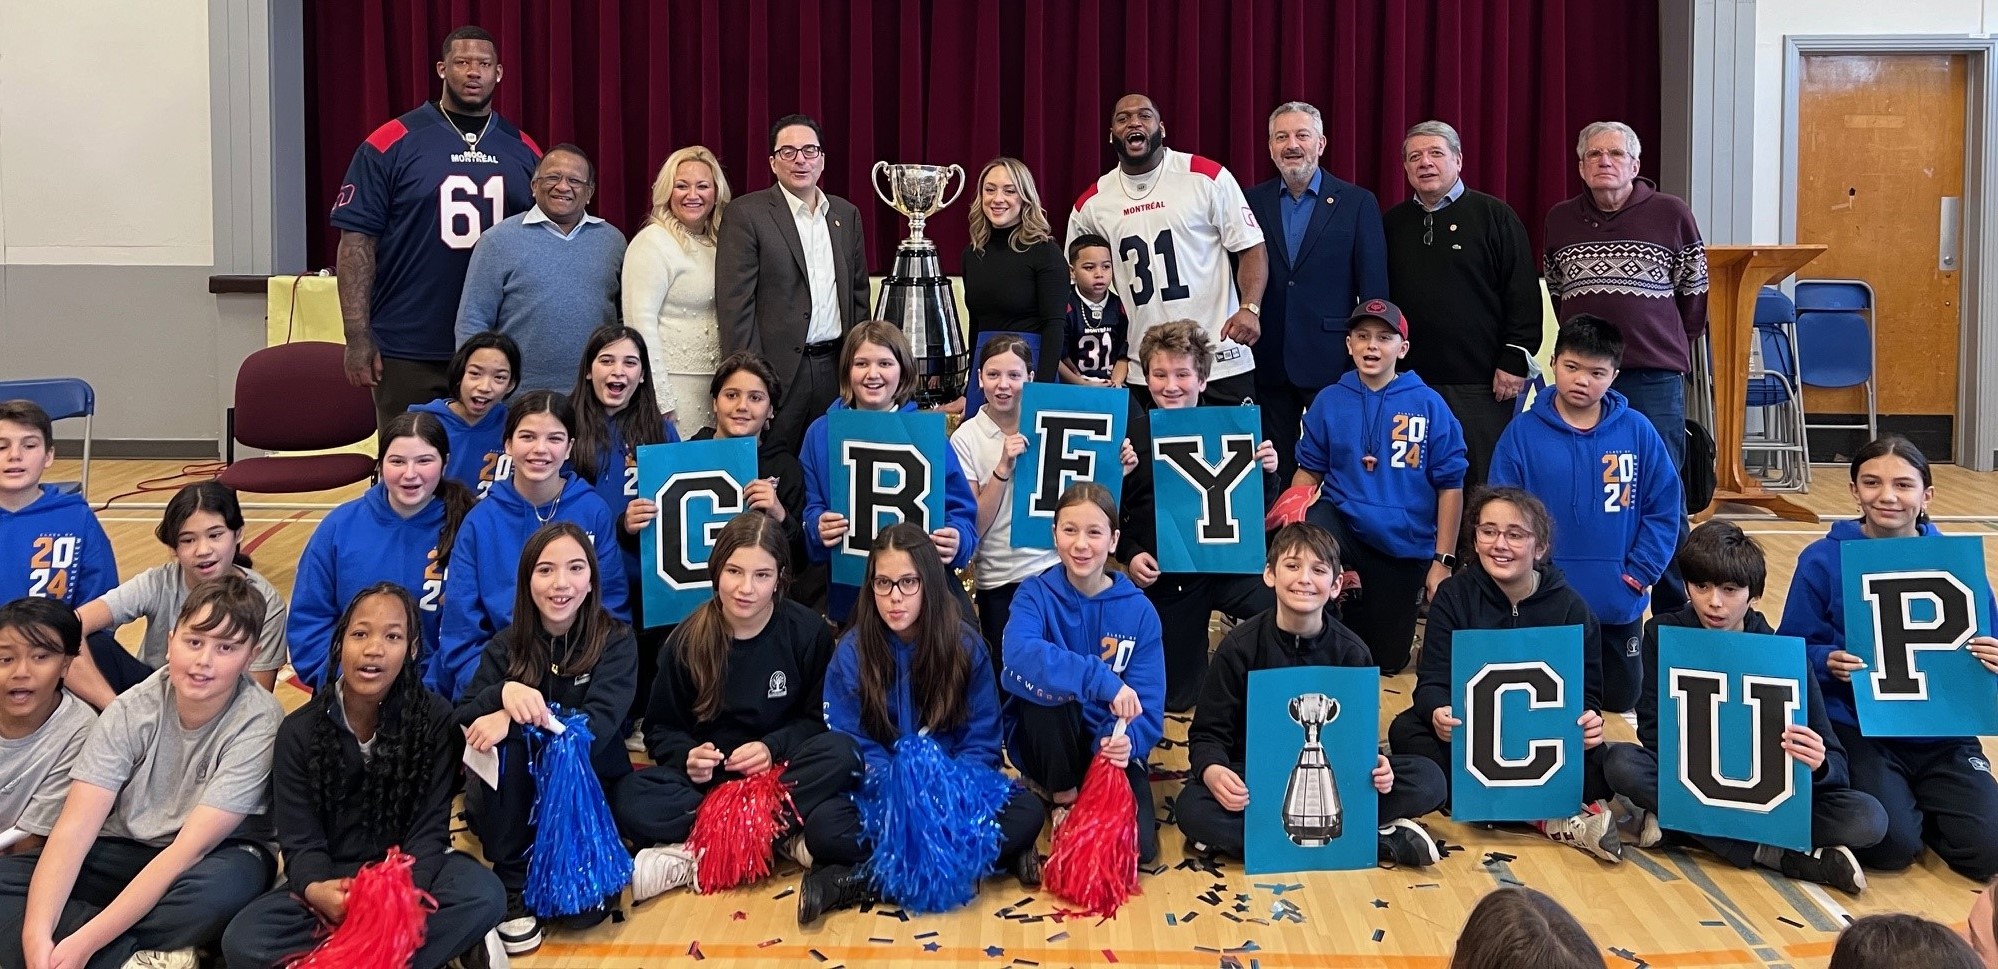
63 398
1778 394
1835 325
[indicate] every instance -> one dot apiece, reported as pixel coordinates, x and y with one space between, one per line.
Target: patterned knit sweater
1642 267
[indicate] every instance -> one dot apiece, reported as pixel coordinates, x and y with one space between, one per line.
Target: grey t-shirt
156 595
162 771
34 770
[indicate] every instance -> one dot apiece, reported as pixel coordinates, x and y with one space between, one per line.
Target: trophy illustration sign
1311 812
1315 810
916 295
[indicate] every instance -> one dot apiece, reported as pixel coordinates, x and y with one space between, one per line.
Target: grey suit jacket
763 300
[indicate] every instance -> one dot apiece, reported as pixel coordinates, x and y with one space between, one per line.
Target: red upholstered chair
296 397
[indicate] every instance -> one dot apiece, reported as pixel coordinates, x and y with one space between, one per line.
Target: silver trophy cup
1312 814
916 295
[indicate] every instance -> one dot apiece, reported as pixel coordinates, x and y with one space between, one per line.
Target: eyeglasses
1490 534
1428 228
1596 154
552 180
907 585
791 152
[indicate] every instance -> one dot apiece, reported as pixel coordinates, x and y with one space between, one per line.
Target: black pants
808 394
120 668
1283 405
1839 815
1484 420
657 805
1391 591
1935 793
405 383
1053 747
193 912
995 606
1184 602
1622 645
502 819
277 926
1409 735
1419 788
832 830
650 641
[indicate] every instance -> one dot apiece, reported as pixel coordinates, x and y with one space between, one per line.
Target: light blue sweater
546 291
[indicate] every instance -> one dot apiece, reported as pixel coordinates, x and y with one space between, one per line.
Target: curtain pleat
961 81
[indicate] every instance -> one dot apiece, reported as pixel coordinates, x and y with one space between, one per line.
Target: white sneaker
519 932
157 959
656 871
1593 831
636 742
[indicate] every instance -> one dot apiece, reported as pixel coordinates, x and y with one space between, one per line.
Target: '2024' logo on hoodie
1407 439
1619 481
1116 652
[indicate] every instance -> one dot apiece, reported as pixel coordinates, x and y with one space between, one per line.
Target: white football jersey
1170 234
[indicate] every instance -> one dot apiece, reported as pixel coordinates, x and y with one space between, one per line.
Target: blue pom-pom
577 860
933 822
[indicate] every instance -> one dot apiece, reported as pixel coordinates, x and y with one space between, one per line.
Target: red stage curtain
943 81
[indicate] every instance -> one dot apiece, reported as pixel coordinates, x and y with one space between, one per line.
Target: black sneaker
1027 867
1405 843
589 918
830 889
520 931
1834 866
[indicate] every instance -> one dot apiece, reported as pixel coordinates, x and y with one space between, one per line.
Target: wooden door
1880 147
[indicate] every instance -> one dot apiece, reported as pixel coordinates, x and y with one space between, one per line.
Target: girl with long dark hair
562 647
368 764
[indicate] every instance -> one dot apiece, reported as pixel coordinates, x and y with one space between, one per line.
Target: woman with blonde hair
669 283
1015 278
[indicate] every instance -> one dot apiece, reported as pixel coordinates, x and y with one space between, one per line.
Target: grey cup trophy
916 295
1312 814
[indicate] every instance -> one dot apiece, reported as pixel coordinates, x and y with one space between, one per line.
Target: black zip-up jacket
604 692
318 847
1471 599
1220 733
1832 773
772 691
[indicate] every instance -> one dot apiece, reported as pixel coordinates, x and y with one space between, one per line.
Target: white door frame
1977 393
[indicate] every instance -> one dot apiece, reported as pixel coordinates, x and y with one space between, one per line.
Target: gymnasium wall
107 215
1776 18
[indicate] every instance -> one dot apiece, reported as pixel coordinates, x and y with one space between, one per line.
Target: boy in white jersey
1173 219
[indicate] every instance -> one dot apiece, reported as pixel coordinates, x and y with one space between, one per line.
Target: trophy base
917 297
1313 835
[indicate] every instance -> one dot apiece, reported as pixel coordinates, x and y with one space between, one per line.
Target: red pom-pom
1094 859
735 827
386 919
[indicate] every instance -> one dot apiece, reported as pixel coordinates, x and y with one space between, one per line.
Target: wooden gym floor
1674 908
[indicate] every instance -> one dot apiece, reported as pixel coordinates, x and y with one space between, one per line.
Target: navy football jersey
425 192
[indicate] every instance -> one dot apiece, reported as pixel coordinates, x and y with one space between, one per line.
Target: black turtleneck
1028 292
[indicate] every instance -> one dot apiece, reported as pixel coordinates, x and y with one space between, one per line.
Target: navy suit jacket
1342 261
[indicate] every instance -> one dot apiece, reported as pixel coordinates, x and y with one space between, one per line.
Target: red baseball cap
1382 310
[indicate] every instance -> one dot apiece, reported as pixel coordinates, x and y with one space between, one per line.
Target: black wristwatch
1448 561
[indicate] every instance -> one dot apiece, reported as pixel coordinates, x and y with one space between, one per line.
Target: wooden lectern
1735 276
